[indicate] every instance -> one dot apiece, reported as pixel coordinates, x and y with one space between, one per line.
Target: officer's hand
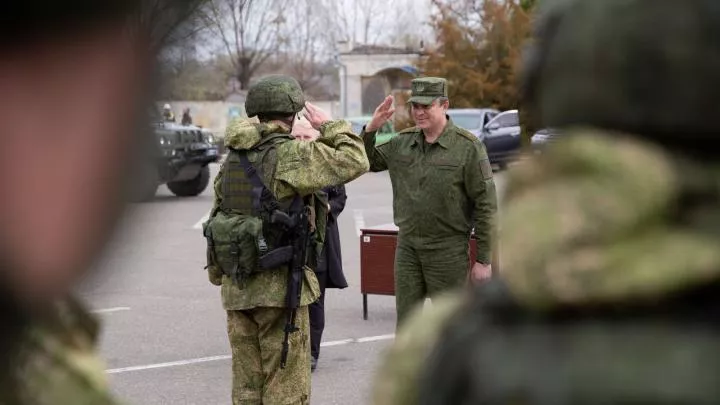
315 116
480 272
382 113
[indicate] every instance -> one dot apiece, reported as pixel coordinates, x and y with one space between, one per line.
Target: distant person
443 188
329 270
168 114
186 118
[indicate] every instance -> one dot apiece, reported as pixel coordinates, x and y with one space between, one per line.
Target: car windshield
466 120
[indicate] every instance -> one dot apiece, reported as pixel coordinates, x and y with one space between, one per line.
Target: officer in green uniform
442 188
287 168
611 271
71 83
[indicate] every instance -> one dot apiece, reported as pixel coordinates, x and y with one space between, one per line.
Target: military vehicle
176 155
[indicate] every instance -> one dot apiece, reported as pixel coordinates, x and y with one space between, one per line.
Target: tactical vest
240 232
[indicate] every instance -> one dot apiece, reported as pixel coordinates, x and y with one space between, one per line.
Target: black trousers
317 316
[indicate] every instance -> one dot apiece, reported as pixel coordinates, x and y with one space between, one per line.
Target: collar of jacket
444 138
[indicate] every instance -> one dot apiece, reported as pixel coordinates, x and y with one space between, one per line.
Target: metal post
343 89
365 307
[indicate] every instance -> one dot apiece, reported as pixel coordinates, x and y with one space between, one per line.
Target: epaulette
411 130
466 134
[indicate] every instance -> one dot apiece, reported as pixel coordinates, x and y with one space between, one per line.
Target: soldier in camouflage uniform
288 167
611 267
442 188
69 92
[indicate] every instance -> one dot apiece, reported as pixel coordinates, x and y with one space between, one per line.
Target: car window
508 120
467 121
488 117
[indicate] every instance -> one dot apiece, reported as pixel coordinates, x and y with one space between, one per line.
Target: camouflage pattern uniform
57 360
256 312
611 271
441 191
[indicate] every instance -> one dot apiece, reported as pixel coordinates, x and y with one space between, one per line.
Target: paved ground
164 335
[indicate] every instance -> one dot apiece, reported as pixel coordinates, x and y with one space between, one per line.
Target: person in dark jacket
329 270
186 117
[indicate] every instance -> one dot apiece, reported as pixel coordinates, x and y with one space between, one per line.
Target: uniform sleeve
377 156
214 273
480 187
338 198
336 157
398 378
217 184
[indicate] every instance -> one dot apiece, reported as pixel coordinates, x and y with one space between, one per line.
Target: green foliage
480 60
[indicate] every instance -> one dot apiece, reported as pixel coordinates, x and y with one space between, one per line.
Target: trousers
424 273
256 337
317 316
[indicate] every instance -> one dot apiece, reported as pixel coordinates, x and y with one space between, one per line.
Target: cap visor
425 100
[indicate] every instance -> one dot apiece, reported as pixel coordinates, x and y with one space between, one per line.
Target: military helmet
275 94
647 67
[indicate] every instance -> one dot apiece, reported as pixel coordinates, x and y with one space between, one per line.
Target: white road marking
359 221
228 357
199 223
106 310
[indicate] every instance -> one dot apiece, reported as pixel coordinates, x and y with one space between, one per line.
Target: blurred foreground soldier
611 267
329 270
442 188
266 231
76 63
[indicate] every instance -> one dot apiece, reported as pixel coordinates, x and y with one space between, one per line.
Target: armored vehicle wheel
192 187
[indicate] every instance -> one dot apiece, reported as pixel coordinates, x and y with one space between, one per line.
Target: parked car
502 138
472 119
542 138
499 131
384 134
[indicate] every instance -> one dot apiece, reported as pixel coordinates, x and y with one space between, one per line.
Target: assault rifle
298 228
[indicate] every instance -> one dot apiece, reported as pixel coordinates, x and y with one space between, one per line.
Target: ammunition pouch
235 244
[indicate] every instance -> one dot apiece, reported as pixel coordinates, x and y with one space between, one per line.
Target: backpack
241 237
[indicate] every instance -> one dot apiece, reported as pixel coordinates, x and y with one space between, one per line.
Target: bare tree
307 47
411 24
250 32
356 21
167 23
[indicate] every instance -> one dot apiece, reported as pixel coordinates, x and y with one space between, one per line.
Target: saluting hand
315 116
382 114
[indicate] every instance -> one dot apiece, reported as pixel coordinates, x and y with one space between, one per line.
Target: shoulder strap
250 171
260 193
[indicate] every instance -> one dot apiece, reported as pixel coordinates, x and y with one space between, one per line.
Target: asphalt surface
164 333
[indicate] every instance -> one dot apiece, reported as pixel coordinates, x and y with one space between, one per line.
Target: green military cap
425 90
